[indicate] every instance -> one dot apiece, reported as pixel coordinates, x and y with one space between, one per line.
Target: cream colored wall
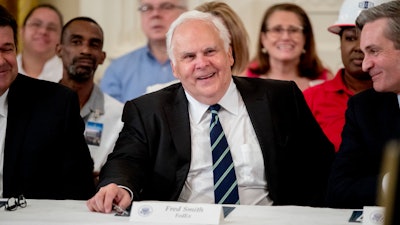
121 23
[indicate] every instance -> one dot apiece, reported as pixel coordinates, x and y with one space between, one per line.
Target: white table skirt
75 212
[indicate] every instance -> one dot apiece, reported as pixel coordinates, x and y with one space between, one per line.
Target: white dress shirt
52 69
109 115
3 125
245 150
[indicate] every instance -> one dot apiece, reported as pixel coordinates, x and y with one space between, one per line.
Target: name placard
373 215
176 212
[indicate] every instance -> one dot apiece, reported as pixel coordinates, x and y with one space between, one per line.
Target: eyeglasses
278 31
36 25
13 203
164 7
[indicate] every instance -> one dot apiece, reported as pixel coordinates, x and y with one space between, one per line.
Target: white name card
373 215
176 212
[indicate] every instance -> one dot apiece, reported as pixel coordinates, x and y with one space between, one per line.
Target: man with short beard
81 51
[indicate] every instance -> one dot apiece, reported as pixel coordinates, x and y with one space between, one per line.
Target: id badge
93 133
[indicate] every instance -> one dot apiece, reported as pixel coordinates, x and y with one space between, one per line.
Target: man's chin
81 78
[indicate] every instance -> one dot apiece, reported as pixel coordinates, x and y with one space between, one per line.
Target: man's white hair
197 15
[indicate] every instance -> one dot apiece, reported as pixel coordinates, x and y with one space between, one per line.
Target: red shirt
328 103
323 76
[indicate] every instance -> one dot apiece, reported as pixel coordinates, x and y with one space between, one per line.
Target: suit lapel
258 108
19 115
178 121
389 114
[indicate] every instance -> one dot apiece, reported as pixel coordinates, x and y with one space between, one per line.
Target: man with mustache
81 51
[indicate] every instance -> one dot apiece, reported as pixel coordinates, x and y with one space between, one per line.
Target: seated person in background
239 38
43 154
81 51
278 154
128 76
286 48
328 101
237 31
40 34
372 116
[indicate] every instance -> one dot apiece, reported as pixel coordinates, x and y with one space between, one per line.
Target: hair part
8 20
47 6
237 30
183 3
79 18
201 16
310 65
391 12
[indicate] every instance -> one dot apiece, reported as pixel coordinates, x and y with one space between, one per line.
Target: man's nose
366 64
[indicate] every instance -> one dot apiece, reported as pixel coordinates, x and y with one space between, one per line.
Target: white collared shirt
245 150
3 126
398 99
52 69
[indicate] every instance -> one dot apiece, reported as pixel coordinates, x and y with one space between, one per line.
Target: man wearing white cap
328 101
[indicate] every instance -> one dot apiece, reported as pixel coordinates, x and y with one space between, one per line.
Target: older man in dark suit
166 151
43 153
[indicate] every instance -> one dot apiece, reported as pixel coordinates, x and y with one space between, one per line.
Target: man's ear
230 55
58 50
174 70
103 57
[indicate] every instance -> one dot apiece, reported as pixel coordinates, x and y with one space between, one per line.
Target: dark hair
390 11
49 6
6 19
79 18
310 65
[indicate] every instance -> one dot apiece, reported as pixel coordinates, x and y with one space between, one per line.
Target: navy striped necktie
225 183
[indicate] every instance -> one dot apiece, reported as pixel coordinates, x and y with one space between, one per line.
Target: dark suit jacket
45 154
372 119
153 153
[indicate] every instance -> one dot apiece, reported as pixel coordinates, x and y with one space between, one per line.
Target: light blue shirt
128 77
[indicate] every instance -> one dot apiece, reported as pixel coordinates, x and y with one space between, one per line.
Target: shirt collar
151 55
337 83
19 63
229 102
3 104
94 104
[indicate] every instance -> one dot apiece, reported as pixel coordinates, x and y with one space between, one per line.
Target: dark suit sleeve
353 181
305 154
77 167
45 154
127 164
297 154
152 154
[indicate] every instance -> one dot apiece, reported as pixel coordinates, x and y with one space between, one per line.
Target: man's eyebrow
76 36
96 40
7 44
186 53
369 47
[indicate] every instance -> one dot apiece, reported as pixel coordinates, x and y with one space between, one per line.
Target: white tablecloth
75 212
